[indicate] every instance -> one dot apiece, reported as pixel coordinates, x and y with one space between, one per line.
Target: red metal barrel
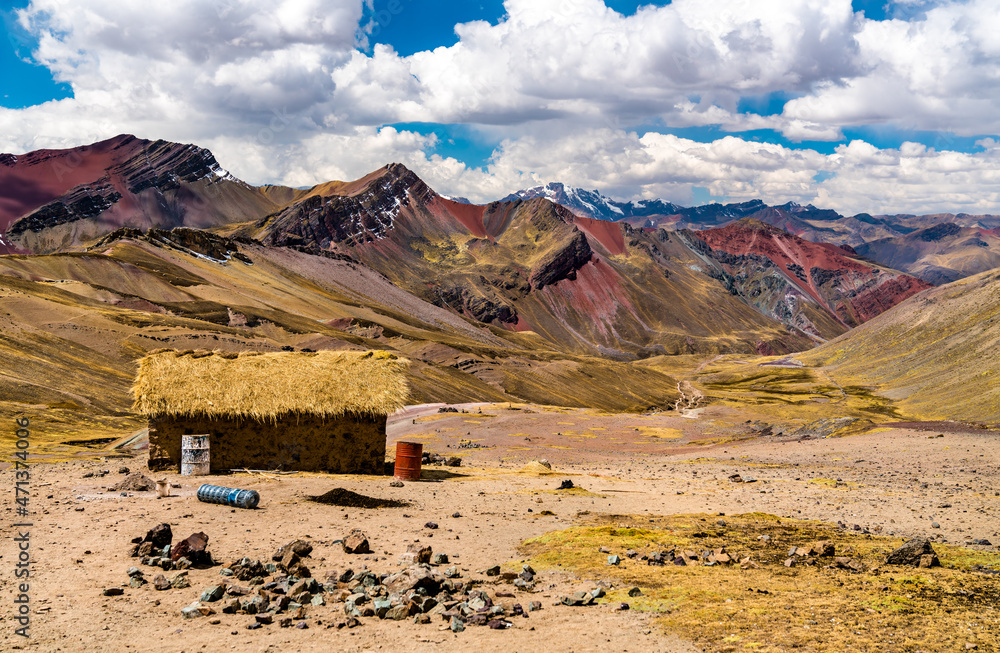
408 457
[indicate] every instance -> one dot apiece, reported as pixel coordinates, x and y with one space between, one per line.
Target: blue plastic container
228 496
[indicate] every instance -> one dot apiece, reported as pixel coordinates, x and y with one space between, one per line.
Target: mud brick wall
351 444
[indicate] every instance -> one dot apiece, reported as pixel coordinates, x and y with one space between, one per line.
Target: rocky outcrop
196 241
350 219
84 202
781 274
562 263
56 199
487 307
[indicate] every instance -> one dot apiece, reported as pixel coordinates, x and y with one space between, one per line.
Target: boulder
414 577
356 542
911 553
192 548
158 536
300 547
416 554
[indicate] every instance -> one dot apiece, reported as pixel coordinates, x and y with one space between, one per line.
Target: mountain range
129 245
926 246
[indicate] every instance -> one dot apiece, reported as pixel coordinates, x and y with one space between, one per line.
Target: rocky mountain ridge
57 199
860 231
531 265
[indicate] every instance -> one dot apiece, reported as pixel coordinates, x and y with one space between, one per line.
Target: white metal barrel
194 455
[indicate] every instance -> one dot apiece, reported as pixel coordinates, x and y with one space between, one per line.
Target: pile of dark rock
437 459
156 550
688 557
284 591
812 554
918 552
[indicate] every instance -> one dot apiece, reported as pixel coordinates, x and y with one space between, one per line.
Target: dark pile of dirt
134 482
341 497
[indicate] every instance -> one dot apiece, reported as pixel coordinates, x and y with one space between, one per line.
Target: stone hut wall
350 444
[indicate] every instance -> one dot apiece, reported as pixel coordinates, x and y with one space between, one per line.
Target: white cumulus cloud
570 90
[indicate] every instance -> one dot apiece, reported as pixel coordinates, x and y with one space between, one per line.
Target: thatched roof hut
294 410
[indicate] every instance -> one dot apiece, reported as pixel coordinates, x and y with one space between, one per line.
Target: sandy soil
893 481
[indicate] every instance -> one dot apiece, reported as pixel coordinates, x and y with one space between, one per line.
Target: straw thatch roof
262 387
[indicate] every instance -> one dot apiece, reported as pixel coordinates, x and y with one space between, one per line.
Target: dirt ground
891 481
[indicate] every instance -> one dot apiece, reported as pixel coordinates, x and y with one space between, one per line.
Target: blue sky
23 82
880 106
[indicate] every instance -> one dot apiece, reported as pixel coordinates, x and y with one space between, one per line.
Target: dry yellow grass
267 386
778 608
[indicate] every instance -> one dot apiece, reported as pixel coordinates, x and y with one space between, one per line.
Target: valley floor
900 482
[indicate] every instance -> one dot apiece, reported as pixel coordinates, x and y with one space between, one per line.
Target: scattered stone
180 581
439 559
395 483
493 571
614 560
735 478
842 562
431 525
113 591
416 554
161 583
213 593
577 599
356 542
397 613
157 537
534 606
301 548
823 548
566 485
635 591
192 548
